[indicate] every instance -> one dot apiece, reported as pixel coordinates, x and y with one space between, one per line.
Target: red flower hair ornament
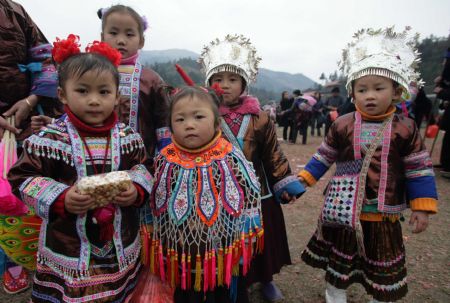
106 50
65 48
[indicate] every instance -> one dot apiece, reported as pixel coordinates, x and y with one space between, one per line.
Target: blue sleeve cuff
291 185
316 168
421 187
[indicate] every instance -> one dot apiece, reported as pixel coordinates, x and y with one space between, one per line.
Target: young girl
206 206
84 254
143 102
381 166
232 63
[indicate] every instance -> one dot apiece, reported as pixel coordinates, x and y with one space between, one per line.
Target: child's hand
128 197
287 197
76 203
421 220
39 121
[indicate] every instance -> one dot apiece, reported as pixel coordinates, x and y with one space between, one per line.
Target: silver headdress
382 53
232 54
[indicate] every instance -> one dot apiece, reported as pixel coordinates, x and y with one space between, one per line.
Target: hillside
161 56
269 84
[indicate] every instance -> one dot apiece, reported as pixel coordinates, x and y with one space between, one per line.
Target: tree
432 50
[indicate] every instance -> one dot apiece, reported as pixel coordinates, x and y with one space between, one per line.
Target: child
232 63
143 103
359 236
206 206
84 254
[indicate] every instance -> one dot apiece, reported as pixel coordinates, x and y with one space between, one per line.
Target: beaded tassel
172 268
189 272
145 243
198 273
152 257
244 255
183 271
212 280
177 271
229 255
260 240
220 267
161 264
168 273
250 245
206 272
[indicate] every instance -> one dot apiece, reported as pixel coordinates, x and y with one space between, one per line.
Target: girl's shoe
271 292
15 280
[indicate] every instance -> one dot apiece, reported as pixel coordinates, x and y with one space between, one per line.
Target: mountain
280 81
269 83
161 56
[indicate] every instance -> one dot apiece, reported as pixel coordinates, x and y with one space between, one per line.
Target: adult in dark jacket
442 91
285 119
421 107
318 117
332 104
292 112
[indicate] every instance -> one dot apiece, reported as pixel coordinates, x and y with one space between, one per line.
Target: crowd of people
206 174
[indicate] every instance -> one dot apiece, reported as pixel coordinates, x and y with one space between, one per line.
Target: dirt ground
428 258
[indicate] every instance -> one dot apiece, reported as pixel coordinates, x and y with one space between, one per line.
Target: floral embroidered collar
217 149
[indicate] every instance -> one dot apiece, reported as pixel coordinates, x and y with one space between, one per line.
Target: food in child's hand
104 188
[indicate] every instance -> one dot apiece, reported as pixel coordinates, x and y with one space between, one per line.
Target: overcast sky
295 36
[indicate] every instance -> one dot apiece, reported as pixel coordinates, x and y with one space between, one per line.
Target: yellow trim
424 204
309 179
378 217
200 149
390 111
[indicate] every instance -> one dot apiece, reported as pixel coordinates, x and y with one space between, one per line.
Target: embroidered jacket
256 137
207 215
400 170
53 161
25 64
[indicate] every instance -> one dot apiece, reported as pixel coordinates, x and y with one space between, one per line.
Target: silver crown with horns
233 54
382 52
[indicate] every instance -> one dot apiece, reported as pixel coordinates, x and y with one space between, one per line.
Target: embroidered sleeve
40 193
291 185
140 175
420 182
32 176
44 76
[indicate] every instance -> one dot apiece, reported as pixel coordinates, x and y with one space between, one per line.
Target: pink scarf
247 105
130 60
233 116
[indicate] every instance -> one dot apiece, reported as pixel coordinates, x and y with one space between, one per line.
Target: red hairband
65 48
